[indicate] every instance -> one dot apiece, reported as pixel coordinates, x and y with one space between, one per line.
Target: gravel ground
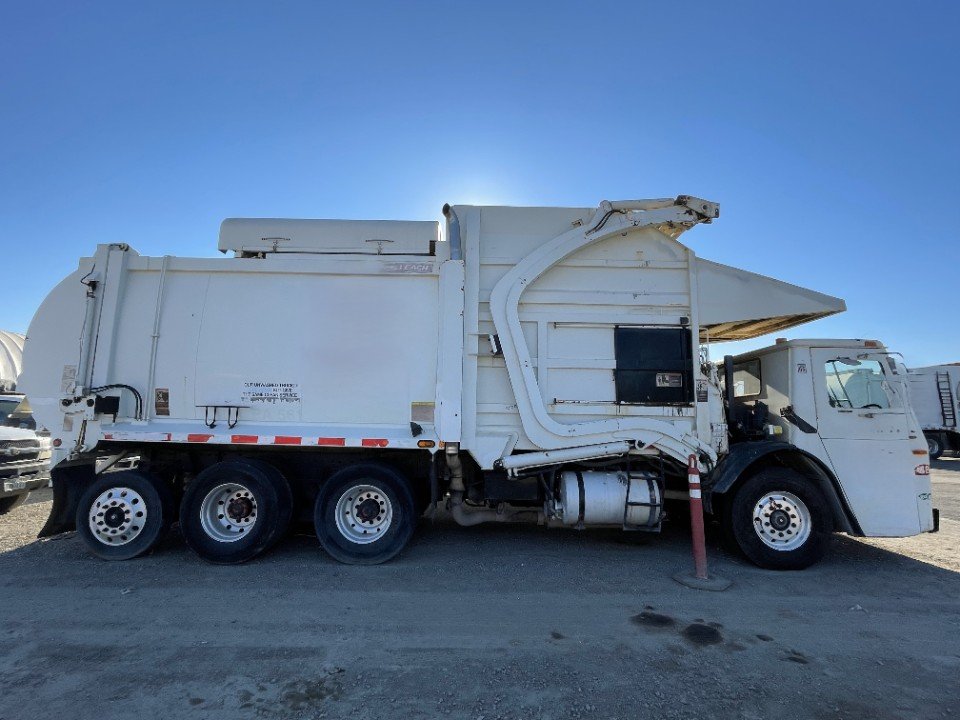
482 623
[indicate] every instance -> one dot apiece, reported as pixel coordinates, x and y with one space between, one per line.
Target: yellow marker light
425 443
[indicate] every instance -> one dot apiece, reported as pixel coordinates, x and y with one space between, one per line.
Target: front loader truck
545 365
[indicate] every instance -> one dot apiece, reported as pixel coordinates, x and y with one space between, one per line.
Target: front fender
739 458
69 482
744 455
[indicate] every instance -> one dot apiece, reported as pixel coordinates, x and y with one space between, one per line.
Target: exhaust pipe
460 513
453 232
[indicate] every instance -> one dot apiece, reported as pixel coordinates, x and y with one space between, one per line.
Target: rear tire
10 503
934 446
122 515
234 510
779 520
365 514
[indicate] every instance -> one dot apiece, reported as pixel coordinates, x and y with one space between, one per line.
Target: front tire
122 515
935 446
234 510
779 520
365 514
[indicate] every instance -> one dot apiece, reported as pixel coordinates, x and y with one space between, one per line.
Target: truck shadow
467 557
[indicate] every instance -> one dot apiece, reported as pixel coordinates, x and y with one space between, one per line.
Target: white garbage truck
935 396
535 364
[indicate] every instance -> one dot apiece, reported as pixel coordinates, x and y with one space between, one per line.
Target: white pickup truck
24 455
538 364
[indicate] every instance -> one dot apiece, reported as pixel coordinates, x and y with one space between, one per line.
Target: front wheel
780 520
934 446
365 514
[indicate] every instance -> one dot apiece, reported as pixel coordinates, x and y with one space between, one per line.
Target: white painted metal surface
323 340
364 237
745 305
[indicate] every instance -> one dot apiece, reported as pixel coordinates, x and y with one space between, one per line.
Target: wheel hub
228 512
779 520
113 518
782 521
117 516
239 508
368 510
363 514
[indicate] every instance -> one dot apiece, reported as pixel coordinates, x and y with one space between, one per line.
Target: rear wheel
235 510
365 514
122 515
934 446
779 519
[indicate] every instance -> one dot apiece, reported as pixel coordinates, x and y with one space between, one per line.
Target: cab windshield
15 412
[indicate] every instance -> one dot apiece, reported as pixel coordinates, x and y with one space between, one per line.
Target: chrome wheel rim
117 516
364 514
782 521
228 512
932 446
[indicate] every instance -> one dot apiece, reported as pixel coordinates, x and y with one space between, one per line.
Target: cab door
863 419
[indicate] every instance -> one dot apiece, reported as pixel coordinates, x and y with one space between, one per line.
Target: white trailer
540 364
935 396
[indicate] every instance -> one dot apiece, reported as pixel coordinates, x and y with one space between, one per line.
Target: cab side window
854 384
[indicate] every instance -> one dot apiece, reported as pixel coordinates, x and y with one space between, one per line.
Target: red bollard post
696 519
700 579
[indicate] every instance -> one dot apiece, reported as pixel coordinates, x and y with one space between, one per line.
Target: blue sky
827 131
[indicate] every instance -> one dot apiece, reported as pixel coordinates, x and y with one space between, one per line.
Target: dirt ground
481 623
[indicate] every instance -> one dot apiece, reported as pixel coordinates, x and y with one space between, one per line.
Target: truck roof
839 343
934 367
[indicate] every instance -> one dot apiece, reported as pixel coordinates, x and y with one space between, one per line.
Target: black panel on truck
654 365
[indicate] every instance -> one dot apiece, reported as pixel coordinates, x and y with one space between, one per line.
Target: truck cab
842 408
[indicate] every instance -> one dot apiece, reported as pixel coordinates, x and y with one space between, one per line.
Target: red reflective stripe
199 437
286 440
244 438
339 442
108 436
375 442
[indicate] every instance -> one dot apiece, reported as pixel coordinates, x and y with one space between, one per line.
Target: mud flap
68 484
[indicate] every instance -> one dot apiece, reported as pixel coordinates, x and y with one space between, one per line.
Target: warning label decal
269 393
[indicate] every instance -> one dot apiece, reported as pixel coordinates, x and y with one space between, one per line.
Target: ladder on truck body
946 399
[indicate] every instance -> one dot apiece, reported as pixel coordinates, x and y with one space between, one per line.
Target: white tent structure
11 359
